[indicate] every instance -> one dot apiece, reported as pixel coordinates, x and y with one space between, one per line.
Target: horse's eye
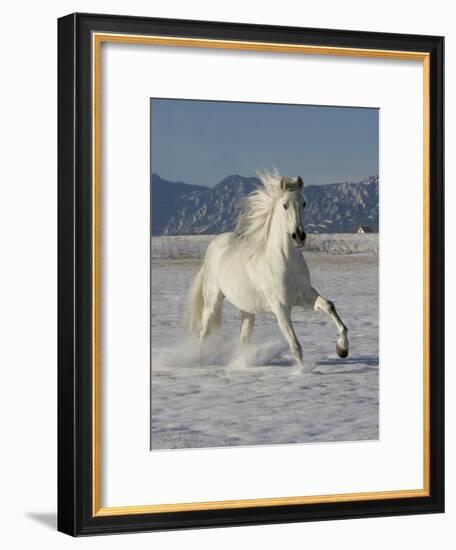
304 204
285 206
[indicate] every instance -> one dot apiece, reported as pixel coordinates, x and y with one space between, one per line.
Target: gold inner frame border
97 40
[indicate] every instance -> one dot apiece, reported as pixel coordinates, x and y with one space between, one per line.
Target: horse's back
226 264
217 247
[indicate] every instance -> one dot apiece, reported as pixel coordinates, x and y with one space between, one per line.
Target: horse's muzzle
299 237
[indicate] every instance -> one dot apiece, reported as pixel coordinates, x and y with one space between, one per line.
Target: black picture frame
75 374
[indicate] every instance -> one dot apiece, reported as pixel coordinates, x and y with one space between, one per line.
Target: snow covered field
194 246
219 400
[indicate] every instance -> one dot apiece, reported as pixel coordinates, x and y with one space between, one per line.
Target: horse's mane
254 220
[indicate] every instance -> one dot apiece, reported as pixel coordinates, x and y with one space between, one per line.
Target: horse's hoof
341 352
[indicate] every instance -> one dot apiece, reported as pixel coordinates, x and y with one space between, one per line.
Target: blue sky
202 142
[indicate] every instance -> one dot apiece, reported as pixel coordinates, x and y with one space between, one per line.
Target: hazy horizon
255 176
203 142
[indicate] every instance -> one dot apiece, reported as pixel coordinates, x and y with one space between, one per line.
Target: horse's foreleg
247 322
322 304
283 316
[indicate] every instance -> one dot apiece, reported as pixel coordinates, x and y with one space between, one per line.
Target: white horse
260 267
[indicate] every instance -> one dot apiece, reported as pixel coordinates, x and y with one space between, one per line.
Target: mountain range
180 208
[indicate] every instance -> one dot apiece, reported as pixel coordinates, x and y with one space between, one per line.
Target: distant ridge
179 208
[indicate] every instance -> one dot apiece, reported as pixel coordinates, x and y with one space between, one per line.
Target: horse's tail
195 304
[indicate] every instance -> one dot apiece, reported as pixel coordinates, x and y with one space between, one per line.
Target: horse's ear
282 184
300 182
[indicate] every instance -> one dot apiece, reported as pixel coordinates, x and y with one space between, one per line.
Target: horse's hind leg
247 322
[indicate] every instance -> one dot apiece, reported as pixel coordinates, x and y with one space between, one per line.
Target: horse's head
277 205
290 209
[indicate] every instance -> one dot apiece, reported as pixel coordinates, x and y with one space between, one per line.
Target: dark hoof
341 352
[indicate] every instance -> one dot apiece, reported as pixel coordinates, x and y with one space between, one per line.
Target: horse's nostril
293 236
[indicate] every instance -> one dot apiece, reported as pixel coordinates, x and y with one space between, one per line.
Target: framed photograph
251 274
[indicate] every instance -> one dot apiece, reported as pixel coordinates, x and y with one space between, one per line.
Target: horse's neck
279 246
